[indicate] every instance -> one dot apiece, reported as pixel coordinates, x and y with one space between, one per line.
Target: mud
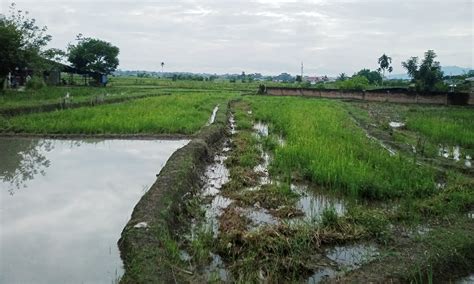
163 209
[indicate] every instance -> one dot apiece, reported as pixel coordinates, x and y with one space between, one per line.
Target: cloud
268 36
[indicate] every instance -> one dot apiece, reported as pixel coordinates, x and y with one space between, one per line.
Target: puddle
313 204
261 129
455 154
64 203
217 270
351 257
468 162
321 275
259 217
470 215
395 124
213 115
232 124
216 176
262 169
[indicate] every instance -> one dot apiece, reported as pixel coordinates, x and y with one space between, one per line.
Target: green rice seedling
181 114
445 125
326 147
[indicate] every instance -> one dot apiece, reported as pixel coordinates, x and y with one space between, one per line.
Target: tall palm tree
384 62
162 66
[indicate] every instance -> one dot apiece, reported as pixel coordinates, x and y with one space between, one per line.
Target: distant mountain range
447 70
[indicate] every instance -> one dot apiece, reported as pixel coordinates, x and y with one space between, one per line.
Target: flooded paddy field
64 204
269 190
300 191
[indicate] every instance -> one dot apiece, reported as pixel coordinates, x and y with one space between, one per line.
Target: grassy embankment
175 114
152 254
391 195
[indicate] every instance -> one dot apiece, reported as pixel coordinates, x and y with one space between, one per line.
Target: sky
264 36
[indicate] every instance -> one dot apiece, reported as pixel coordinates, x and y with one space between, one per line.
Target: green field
176 114
328 148
446 125
338 149
55 95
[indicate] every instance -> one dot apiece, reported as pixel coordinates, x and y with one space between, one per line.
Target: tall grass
326 147
452 125
183 114
50 95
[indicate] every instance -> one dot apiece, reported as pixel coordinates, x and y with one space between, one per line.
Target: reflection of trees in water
22 160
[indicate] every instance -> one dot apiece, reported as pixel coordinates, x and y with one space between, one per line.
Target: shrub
35 83
355 83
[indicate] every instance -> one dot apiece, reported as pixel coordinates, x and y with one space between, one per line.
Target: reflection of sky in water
62 226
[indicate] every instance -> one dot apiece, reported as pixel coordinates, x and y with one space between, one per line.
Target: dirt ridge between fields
160 212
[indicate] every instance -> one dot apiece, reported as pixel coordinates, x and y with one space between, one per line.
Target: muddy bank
93 101
148 244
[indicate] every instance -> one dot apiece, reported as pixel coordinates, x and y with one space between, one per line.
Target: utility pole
302 71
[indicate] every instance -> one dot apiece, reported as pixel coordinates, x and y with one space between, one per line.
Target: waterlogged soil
273 208
64 204
386 126
224 215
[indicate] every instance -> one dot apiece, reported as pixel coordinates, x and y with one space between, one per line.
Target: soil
145 249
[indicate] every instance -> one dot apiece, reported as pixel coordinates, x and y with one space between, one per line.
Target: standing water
63 205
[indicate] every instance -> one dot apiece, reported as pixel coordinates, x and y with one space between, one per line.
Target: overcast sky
266 36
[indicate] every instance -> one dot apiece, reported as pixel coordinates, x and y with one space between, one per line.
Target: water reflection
76 197
22 160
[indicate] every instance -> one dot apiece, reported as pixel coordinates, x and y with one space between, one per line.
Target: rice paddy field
297 189
180 113
55 95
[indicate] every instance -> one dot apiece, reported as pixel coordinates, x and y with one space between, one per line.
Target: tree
374 77
411 65
95 55
299 79
384 63
22 42
342 77
162 66
428 75
10 48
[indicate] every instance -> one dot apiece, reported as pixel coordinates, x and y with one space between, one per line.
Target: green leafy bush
35 83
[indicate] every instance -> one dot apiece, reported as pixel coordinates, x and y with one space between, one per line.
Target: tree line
23 45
